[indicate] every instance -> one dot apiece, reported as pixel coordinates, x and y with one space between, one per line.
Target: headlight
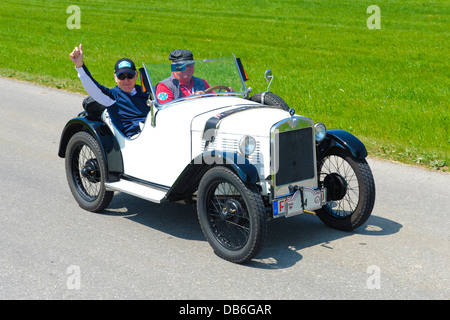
320 131
247 145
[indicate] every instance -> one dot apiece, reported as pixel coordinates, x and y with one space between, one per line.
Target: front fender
189 179
100 131
337 138
239 164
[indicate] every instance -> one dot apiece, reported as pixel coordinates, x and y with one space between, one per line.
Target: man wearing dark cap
126 103
181 83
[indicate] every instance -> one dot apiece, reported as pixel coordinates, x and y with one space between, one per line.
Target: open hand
77 56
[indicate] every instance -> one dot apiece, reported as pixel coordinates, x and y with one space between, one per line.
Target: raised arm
100 93
77 56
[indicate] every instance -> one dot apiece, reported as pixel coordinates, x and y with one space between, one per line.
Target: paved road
52 249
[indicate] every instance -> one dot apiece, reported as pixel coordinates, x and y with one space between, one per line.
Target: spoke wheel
86 171
350 188
228 216
231 215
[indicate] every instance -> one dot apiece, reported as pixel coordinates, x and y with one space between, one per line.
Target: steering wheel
227 89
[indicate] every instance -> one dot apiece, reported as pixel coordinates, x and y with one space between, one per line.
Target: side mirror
268 76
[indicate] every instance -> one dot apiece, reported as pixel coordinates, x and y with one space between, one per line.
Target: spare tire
270 99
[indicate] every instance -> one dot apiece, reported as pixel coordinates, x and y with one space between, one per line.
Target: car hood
238 116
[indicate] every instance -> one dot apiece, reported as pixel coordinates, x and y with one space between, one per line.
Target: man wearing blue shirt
126 103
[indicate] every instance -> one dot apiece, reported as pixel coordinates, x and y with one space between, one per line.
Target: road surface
52 249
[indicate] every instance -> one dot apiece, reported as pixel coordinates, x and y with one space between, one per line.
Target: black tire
86 172
231 215
270 99
353 204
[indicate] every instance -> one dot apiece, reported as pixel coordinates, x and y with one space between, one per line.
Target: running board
137 190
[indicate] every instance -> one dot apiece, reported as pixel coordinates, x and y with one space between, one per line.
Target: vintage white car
243 159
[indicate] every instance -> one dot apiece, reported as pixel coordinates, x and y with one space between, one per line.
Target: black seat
92 107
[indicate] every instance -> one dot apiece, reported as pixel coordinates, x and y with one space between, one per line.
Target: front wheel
86 171
350 188
231 215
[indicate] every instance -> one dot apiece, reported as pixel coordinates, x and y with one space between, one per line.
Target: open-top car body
243 159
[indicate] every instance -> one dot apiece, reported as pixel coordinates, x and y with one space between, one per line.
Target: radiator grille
296 156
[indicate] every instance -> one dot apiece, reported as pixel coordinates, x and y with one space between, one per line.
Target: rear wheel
231 215
86 171
350 190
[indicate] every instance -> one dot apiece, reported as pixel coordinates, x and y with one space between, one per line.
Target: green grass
389 87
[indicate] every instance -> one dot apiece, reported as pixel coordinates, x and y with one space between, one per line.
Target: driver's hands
230 89
77 56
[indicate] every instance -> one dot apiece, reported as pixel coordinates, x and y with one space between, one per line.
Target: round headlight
247 145
320 131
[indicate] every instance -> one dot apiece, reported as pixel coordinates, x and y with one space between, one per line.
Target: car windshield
224 72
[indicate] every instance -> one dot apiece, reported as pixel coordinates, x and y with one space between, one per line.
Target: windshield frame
243 90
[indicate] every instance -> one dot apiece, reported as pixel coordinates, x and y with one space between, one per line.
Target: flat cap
181 55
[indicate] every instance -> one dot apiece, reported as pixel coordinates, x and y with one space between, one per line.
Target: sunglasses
122 76
181 66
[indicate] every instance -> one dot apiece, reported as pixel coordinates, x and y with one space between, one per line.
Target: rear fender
108 143
337 138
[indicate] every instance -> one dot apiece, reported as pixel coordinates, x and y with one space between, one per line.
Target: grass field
389 86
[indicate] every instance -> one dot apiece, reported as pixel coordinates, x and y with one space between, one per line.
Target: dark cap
124 65
181 55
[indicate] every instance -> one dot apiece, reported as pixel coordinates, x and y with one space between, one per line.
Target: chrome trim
152 88
268 76
317 125
152 104
244 142
289 124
